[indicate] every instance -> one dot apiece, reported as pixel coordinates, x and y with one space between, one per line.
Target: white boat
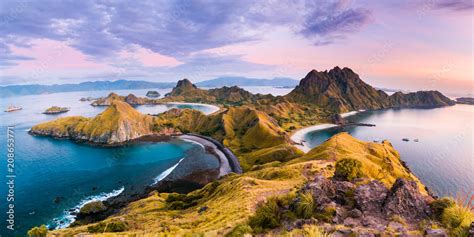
13 108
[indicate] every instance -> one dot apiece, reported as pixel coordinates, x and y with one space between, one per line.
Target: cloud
331 21
8 58
456 5
101 29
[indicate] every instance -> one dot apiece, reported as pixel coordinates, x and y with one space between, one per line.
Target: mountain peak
185 83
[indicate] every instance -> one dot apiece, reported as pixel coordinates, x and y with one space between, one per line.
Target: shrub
182 201
305 205
112 226
439 205
40 231
309 231
326 215
266 216
93 207
348 169
457 219
240 230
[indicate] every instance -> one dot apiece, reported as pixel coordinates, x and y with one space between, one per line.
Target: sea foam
166 173
69 217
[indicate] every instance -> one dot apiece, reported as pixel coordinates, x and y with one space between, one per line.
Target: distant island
56 110
16 90
465 100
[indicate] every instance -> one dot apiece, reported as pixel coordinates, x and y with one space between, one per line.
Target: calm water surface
442 158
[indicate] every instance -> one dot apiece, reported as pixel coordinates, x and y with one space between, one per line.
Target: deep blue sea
47 169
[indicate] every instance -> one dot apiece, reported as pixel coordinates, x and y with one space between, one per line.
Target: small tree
40 231
348 169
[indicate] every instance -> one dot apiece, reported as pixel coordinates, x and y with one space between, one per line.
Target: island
153 94
263 183
56 110
465 100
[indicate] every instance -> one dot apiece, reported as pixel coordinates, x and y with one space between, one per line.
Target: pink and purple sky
407 44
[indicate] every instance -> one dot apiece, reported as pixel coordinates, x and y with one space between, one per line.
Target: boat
13 108
416 140
405 139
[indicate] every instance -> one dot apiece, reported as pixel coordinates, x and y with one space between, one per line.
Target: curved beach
298 136
212 108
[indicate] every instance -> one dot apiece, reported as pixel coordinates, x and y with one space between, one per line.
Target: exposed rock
344 192
354 213
351 222
337 119
370 197
435 233
153 94
399 227
406 201
323 190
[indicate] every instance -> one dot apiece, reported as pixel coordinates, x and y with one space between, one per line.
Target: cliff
117 124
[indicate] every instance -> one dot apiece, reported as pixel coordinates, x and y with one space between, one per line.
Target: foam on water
69 216
166 172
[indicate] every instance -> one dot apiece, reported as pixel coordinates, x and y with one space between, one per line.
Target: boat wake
69 216
166 173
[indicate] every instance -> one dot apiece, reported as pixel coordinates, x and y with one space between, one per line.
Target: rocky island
153 94
343 187
465 100
56 110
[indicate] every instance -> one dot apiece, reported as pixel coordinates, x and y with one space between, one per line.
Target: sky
403 44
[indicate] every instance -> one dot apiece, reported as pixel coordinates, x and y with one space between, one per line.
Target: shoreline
297 136
214 108
228 163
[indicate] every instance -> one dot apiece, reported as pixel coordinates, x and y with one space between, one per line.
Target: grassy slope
379 160
234 200
118 120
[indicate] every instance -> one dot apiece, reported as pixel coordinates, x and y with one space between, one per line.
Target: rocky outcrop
404 200
370 205
370 197
153 94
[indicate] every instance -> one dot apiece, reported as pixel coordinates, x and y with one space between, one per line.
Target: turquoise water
47 169
442 158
